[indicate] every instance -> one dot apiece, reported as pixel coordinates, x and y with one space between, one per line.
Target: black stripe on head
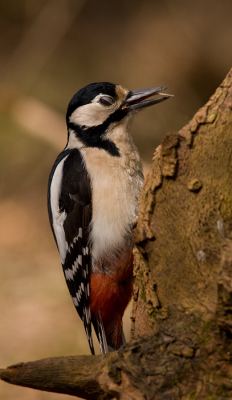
91 138
88 93
94 136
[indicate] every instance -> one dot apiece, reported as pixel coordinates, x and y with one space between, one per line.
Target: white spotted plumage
70 237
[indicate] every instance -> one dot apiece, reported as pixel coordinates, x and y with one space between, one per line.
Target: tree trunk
181 344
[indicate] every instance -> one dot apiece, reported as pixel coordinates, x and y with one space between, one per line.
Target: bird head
94 108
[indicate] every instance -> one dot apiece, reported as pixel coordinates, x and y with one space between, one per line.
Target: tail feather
105 340
88 331
101 335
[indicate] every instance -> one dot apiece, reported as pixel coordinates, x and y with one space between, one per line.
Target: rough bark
181 345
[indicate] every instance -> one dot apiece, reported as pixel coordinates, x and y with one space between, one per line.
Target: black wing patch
75 201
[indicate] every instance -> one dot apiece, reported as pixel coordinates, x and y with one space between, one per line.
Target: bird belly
115 193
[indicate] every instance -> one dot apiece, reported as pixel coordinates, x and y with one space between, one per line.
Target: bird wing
71 229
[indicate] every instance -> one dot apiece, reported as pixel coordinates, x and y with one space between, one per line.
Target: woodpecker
93 192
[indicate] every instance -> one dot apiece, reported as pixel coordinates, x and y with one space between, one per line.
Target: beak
134 100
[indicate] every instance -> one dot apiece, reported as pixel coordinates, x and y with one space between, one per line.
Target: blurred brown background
49 49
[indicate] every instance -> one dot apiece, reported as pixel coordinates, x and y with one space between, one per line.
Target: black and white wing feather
70 212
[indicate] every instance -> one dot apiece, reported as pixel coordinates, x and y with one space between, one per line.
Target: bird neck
98 137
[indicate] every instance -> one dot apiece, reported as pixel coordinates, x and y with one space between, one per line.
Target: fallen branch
77 376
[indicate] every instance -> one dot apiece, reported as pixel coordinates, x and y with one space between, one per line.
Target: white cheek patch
92 114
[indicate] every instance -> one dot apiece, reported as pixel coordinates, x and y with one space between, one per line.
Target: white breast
116 185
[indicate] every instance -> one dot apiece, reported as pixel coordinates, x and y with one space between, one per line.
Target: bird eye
106 101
